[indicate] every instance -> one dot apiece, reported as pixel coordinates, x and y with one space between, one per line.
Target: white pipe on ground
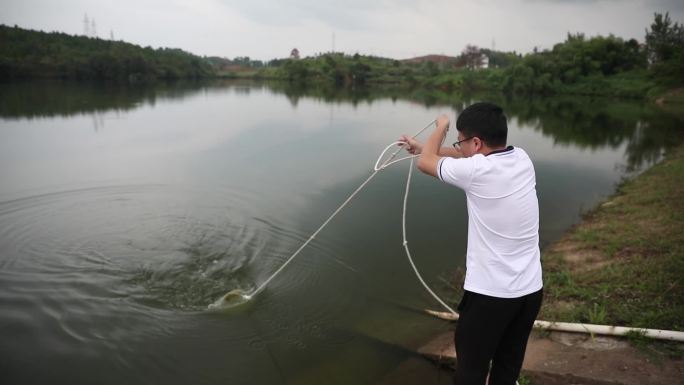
670 335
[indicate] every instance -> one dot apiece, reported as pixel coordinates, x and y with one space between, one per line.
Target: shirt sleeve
456 171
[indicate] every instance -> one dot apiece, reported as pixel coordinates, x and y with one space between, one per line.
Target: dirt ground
600 358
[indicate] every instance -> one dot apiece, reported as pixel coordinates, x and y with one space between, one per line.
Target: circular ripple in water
168 247
106 269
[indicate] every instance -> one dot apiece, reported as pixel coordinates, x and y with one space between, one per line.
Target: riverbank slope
624 263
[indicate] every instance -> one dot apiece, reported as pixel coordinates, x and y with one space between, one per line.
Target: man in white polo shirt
503 283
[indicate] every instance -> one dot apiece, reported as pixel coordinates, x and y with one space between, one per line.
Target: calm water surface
126 211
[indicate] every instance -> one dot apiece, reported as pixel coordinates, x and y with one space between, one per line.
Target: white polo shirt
503 258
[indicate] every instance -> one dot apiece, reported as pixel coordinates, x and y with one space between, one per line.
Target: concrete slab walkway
571 358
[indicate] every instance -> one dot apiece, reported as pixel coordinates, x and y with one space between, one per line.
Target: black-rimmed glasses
458 144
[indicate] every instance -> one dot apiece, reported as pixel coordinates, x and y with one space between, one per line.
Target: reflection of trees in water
46 98
57 98
597 123
367 95
326 93
579 121
587 122
651 139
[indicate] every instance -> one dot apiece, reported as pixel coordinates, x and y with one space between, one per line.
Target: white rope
408 253
311 237
390 161
387 162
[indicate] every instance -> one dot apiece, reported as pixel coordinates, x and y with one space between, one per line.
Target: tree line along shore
600 65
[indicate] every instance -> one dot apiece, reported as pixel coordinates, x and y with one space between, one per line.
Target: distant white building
483 63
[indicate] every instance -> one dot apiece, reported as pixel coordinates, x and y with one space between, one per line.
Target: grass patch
524 380
624 264
654 349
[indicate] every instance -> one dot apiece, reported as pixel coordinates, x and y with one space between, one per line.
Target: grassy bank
624 264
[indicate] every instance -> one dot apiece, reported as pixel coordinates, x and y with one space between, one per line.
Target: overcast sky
267 29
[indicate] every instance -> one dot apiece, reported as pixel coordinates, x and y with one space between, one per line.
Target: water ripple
104 272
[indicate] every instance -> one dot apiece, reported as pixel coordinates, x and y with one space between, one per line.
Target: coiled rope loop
376 168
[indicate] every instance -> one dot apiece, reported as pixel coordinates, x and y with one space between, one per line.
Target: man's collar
509 148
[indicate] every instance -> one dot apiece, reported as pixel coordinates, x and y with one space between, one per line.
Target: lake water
126 211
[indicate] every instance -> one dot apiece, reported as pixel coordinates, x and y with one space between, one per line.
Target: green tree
296 70
664 39
25 53
665 46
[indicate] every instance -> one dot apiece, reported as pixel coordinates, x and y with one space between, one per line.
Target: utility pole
93 29
333 43
86 25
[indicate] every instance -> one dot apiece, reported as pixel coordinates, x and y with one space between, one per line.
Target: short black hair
486 121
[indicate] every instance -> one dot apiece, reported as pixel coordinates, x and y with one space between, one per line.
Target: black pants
495 330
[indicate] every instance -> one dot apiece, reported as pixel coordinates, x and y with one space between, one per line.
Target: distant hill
35 54
438 59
